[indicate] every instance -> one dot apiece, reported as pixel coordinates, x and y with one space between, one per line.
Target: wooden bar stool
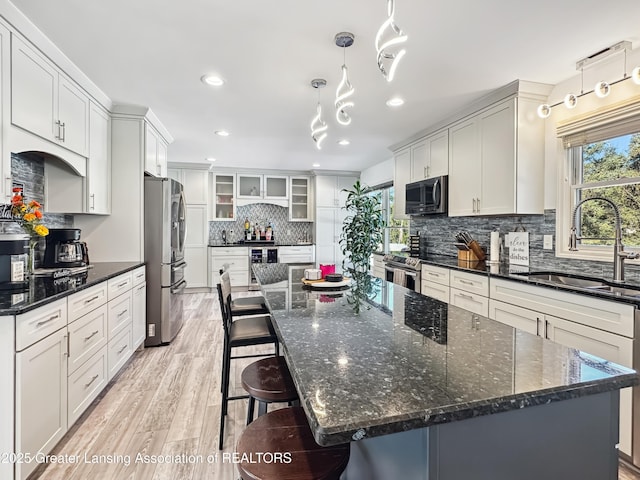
286 431
268 381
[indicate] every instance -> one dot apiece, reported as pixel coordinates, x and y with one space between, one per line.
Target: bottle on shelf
269 232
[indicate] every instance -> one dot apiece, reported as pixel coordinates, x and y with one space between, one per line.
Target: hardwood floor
166 402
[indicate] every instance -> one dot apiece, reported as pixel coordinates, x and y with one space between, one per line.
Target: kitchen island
426 390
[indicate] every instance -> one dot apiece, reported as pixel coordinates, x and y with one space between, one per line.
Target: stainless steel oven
260 255
410 267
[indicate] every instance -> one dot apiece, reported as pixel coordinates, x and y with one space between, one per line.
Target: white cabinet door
276 187
73 115
196 246
464 168
163 158
438 153
223 197
151 151
419 161
326 191
5 161
300 199
516 317
250 186
196 186
401 178
34 91
498 154
41 398
328 228
139 317
99 163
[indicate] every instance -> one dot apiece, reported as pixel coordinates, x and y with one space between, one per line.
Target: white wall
608 70
378 174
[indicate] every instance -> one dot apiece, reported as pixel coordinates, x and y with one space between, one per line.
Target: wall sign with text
518 248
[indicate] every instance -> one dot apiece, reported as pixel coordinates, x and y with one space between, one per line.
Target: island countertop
408 361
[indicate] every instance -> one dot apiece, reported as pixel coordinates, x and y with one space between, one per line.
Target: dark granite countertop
43 290
515 272
408 361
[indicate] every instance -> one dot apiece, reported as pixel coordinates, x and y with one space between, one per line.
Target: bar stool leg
262 408
250 408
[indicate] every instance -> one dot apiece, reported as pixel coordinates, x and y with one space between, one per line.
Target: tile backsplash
27 170
263 213
437 238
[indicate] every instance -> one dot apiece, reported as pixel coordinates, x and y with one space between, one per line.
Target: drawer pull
123 284
433 274
124 347
50 319
140 275
123 312
91 336
95 377
142 287
466 282
468 297
92 299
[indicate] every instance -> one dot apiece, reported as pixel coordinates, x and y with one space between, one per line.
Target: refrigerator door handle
180 264
181 286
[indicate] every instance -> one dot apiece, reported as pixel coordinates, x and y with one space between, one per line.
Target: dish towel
400 277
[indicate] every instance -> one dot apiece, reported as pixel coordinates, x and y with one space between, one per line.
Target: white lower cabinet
435 283
469 291
296 254
119 314
235 260
605 342
41 398
87 336
139 314
86 383
119 351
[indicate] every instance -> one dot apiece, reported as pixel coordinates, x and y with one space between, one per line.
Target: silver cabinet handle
537 326
424 172
92 299
57 135
123 312
123 284
66 346
468 297
64 132
93 379
477 205
141 287
466 282
8 185
93 201
124 347
86 339
50 319
474 205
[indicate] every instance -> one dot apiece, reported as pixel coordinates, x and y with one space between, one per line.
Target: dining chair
240 332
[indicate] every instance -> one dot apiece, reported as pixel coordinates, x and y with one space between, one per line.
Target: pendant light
383 47
345 90
318 126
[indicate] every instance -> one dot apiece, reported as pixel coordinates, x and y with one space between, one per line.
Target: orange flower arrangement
28 215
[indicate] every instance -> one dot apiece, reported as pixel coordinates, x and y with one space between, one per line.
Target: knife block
467 256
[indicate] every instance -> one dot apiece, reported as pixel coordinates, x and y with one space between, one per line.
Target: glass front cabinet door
300 199
224 193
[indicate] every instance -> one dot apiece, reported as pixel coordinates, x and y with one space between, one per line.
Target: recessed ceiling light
211 159
395 102
315 165
343 142
222 133
213 80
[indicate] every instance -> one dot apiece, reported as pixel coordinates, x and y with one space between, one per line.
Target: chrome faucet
619 255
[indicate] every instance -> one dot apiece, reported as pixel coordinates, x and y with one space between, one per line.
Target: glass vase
31 257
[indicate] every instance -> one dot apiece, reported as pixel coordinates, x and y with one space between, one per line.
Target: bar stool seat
267 380
286 431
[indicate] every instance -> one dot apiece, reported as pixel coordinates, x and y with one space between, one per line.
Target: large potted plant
362 233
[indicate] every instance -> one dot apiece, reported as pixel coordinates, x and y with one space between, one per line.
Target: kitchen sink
579 282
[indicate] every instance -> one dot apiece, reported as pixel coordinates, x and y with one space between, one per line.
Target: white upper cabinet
496 161
223 196
263 187
401 178
5 161
430 156
45 102
329 190
99 164
300 199
196 186
155 160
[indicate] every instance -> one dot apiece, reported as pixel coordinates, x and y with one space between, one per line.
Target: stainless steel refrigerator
164 236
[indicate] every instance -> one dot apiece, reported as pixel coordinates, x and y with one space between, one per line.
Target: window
610 169
602 160
396 234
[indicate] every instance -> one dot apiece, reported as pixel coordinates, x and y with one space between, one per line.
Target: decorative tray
326 285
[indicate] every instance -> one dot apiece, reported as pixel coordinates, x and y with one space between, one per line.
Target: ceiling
151 53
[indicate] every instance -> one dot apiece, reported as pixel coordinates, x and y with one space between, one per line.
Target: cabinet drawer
139 275
435 274
119 314
84 301
230 252
604 315
435 290
296 250
233 264
87 335
119 285
39 323
118 351
296 258
516 317
469 282
469 301
86 383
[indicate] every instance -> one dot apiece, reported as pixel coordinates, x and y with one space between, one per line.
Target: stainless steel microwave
427 197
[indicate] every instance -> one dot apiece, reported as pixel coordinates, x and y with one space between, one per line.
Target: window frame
604 125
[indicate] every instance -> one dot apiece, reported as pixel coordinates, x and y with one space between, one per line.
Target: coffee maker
64 249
